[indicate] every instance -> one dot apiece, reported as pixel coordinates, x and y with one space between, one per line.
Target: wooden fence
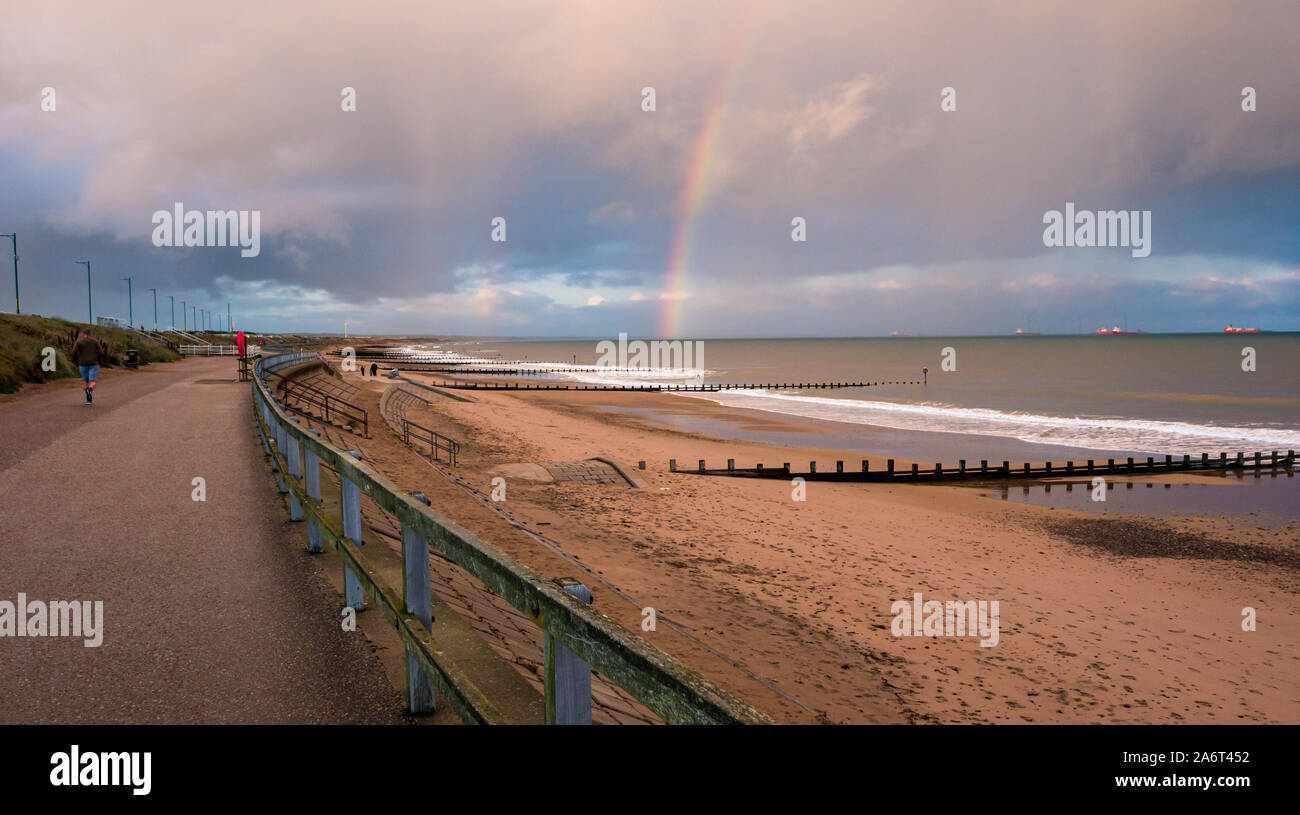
577 638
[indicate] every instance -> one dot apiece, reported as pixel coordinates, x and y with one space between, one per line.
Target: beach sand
788 603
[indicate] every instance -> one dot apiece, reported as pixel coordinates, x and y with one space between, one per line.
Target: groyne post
566 676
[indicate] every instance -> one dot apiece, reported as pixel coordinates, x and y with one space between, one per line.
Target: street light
130 307
184 318
155 309
90 308
172 324
18 309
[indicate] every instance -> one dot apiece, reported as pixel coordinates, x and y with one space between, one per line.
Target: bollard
640 465
295 470
1047 467
1169 462
1026 468
759 467
938 470
984 465
1256 459
961 467
731 464
866 466
786 465
914 470
889 466
1187 461
839 466
701 465
1240 456
566 676
311 480
672 465
1130 463
420 697
1069 467
354 594
1151 463
1006 468
812 467
1223 459
1089 465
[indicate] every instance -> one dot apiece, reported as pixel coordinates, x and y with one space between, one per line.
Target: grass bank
24 338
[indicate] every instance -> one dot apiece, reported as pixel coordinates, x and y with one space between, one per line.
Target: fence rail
209 350
577 637
333 407
395 399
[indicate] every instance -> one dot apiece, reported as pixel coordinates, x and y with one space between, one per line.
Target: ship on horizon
1107 332
1231 329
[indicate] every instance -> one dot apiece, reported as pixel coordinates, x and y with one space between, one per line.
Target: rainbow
674 293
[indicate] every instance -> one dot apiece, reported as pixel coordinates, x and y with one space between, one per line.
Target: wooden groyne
1005 470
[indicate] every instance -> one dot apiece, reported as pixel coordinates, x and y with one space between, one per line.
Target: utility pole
230 325
172 324
130 304
155 309
90 307
184 317
18 308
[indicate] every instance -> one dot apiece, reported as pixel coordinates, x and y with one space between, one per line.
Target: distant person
374 369
86 353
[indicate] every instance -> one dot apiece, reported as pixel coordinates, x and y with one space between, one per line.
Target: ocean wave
1095 432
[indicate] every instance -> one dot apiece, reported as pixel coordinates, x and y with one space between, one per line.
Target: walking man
86 354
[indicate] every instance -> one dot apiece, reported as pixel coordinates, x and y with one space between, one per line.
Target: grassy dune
23 339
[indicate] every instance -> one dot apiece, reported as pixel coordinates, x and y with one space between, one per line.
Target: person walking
374 369
86 354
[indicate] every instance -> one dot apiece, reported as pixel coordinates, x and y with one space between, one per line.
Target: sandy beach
1123 619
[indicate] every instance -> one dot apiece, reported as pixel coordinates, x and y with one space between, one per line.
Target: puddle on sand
1272 497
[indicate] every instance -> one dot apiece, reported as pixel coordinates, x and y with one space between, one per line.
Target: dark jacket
86 352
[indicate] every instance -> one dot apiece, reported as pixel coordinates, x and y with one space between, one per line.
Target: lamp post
172 324
155 309
90 307
130 305
230 324
185 315
18 308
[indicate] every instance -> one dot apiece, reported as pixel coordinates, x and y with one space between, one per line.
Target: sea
1148 394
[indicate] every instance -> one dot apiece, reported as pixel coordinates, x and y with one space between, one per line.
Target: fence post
295 470
567 677
283 447
355 595
311 480
420 697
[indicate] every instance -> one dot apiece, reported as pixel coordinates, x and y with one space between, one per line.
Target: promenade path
213 612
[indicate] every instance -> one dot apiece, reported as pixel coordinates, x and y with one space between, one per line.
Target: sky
671 222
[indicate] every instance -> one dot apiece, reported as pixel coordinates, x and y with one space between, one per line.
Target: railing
398 398
333 406
209 350
577 638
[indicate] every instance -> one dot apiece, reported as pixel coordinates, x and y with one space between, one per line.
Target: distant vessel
1020 332
1028 330
1106 332
896 334
1231 329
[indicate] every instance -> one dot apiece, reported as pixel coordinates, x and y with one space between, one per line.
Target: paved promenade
212 610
